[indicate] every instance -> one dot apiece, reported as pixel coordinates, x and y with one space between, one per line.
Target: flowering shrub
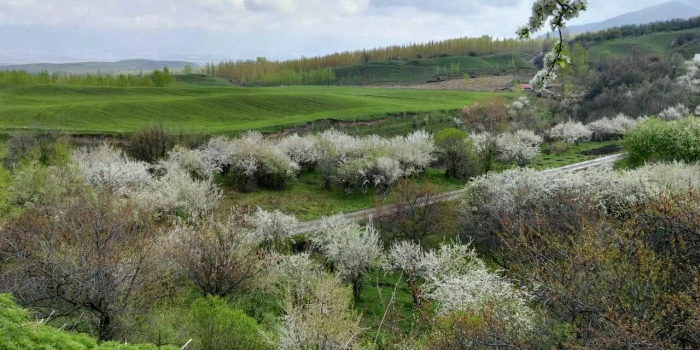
194 161
690 80
674 112
521 147
107 166
271 226
302 150
571 132
167 187
353 250
459 281
610 128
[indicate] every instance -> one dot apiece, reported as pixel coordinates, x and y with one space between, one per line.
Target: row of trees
588 39
158 78
262 70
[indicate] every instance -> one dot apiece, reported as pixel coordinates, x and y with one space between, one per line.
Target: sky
212 30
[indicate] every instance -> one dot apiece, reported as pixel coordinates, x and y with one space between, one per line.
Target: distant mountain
662 12
125 66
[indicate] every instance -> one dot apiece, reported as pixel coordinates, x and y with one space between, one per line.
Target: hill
418 71
684 42
662 12
124 66
104 110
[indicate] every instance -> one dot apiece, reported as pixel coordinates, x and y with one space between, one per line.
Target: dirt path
365 215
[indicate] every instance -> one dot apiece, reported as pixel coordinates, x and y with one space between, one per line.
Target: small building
525 86
697 57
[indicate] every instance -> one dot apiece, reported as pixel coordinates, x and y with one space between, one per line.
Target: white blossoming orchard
609 128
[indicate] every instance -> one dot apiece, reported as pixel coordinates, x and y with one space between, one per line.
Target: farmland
207 109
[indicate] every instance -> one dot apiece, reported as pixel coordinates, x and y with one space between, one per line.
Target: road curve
364 215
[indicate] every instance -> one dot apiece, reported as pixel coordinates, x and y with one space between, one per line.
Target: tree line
157 78
262 70
590 38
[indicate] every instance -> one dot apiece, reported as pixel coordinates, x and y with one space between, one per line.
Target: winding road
364 215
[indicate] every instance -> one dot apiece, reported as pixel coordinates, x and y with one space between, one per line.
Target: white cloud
274 28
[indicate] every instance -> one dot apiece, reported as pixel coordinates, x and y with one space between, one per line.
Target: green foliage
217 326
655 139
157 78
17 332
457 154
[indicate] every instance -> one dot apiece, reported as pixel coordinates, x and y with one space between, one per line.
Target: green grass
207 109
660 43
418 71
306 199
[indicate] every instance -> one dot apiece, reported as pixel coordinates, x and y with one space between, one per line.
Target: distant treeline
158 78
263 71
590 38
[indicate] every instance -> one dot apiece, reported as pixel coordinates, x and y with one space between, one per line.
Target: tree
218 258
457 153
521 147
352 249
560 11
93 261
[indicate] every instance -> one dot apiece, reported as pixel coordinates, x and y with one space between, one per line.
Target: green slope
662 43
79 109
418 71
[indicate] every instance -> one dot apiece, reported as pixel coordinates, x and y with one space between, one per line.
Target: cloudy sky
202 30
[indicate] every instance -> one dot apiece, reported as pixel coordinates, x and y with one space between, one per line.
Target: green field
207 109
661 43
418 71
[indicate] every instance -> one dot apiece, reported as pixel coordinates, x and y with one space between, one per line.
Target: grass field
209 109
661 43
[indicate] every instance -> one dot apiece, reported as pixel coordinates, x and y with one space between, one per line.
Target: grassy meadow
659 43
207 109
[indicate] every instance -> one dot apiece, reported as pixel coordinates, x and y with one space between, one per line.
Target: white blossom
571 132
302 150
271 225
352 249
674 112
521 147
612 127
690 80
408 258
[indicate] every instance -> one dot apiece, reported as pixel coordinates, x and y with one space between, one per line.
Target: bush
214 325
611 128
457 153
151 143
491 116
18 332
520 148
655 139
674 112
571 132
47 148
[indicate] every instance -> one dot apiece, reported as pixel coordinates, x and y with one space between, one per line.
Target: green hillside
418 71
80 109
665 43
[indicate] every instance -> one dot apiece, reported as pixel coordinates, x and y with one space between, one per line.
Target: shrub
457 153
611 128
271 227
521 147
302 150
486 147
214 325
491 116
657 140
571 132
19 332
218 258
48 148
151 143
674 112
